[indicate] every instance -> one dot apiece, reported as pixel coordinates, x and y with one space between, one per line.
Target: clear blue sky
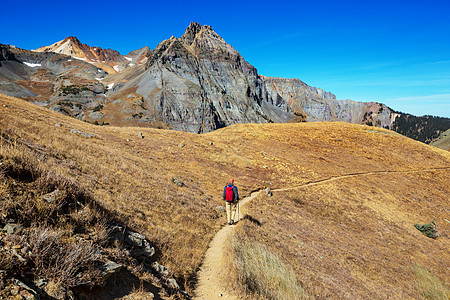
394 52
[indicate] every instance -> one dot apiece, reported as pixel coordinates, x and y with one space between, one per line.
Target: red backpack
229 194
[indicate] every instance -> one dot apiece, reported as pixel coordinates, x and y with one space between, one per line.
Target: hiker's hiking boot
229 223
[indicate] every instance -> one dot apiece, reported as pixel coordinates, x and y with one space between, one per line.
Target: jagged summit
199 41
72 46
193 29
109 60
67 46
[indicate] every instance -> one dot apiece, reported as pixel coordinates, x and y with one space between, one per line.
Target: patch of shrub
98 107
73 89
68 262
69 104
102 124
428 229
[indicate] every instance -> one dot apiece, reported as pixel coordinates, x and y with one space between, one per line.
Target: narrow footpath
209 285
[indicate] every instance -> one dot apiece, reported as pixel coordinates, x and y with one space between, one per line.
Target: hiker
231 197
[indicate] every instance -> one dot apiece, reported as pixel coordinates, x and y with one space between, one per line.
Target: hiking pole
239 213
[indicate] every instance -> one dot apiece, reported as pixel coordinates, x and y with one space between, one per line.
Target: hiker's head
231 180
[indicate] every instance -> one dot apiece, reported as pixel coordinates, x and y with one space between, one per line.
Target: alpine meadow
113 167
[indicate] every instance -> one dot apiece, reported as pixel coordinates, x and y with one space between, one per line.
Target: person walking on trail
231 197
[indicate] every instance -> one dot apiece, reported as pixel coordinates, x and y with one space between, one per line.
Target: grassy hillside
355 237
130 173
443 141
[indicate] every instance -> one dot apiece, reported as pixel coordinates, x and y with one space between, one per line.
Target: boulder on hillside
109 268
53 196
13 228
76 131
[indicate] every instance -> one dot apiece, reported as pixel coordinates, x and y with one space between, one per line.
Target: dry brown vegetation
431 286
257 272
355 237
443 141
357 234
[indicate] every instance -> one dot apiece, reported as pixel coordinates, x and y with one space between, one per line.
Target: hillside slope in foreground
357 233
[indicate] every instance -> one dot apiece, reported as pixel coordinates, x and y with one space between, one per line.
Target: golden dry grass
258 272
133 177
431 286
355 237
443 142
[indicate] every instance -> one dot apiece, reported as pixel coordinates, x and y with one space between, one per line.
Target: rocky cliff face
199 83
315 104
139 56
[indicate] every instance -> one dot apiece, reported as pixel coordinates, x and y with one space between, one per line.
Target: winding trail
209 286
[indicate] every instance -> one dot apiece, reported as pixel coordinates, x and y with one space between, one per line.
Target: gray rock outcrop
199 83
109 268
13 228
139 244
315 104
76 131
53 196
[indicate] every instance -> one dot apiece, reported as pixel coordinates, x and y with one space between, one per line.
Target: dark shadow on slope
252 219
117 286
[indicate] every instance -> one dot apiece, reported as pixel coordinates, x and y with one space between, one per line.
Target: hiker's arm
237 195
224 189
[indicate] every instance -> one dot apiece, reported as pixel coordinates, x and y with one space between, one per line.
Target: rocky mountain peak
109 60
73 39
192 30
5 54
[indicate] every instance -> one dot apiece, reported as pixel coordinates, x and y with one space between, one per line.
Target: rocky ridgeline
73 47
195 83
316 104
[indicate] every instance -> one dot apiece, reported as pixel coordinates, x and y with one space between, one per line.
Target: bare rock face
5 54
139 56
110 60
316 104
199 83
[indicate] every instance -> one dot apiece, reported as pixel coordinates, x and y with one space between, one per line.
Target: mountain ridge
196 83
109 60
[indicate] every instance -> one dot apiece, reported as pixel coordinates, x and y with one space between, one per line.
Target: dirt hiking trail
209 285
